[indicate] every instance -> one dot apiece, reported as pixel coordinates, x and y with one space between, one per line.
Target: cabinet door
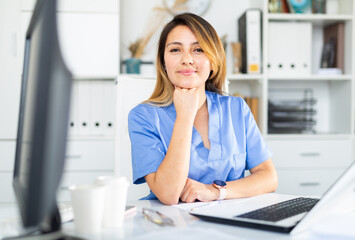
7 155
10 68
307 182
7 192
90 155
89 43
316 154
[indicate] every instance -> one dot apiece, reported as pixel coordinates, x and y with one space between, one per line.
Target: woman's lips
187 72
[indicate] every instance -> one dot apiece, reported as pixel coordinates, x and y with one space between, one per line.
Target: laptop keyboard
282 210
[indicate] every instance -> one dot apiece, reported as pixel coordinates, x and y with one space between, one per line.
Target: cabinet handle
310 154
73 157
309 184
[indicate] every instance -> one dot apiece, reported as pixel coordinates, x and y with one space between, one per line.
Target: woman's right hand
186 102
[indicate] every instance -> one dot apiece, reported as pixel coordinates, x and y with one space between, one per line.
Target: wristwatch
222 186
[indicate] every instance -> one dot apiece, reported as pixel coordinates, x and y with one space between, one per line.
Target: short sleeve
257 150
146 146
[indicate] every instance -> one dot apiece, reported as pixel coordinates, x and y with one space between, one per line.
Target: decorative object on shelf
291 111
155 21
285 8
318 6
275 6
133 65
237 56
328 54
300 6
333 47
198 7
332 7
224 42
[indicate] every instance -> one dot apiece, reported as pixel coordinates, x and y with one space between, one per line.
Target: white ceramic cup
115 202
88 207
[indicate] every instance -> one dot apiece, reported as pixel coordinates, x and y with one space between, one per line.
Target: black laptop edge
235 222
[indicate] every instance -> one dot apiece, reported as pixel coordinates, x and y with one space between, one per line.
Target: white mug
88 207
115 200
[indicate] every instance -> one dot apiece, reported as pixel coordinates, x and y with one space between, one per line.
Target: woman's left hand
195 190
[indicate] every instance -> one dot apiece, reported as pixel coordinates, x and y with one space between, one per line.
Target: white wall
222 14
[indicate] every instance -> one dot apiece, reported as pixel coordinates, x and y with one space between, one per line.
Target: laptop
284 213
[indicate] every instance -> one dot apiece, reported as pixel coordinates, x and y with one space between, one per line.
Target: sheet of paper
195 205
198 205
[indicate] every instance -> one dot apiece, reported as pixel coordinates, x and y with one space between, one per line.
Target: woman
190 142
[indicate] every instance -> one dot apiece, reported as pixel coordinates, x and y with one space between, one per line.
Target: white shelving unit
308 163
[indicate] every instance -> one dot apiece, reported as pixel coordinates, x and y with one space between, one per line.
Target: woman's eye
174 50
199 50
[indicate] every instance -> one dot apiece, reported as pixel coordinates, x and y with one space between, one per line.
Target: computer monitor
43 123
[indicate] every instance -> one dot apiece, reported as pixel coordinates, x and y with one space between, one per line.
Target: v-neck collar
214 126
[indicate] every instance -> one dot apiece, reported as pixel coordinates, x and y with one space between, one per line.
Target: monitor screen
43 122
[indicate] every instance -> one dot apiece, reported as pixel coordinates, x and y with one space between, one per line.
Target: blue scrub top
236 144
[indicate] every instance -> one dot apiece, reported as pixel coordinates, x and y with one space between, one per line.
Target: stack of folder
292 115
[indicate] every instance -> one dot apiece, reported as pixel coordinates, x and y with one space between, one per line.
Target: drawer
90 155
73 178
7 192
307 182
311 153
7 155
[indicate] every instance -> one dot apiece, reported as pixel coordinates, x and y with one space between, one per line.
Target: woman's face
186 64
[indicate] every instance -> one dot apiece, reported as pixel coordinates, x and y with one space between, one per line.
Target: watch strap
222 191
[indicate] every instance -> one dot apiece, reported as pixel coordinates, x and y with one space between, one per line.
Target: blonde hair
211 45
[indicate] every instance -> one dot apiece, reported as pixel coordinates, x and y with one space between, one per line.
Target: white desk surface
186 227
136 227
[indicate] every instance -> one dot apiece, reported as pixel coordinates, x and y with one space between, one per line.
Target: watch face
220 183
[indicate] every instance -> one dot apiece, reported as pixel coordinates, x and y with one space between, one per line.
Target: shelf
312 77
90 138
91 77
318 136
233 77
319 19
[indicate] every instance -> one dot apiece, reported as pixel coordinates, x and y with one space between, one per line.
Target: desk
136 227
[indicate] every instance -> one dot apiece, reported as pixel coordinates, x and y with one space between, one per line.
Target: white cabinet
313 182
88 33
90 155
311 154
89 43
10 67
7 193
10 84
309 167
